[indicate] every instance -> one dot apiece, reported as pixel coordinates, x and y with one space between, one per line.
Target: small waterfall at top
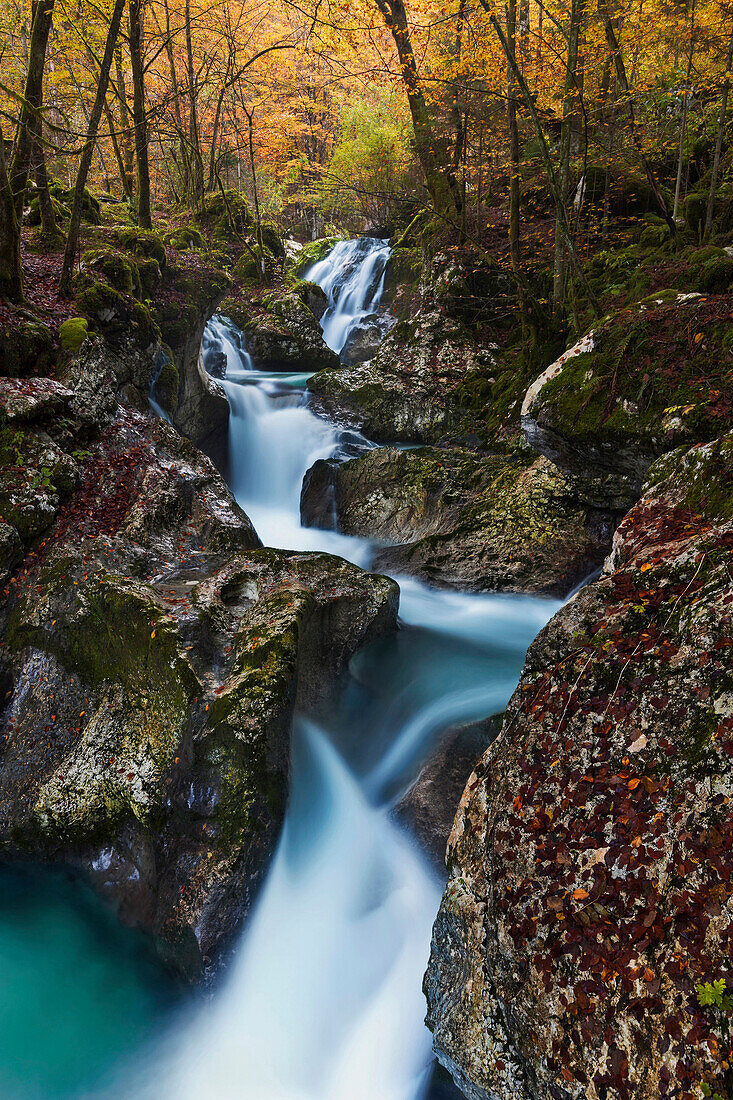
324 1001
352 276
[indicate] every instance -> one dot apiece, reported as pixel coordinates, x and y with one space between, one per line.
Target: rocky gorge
155 652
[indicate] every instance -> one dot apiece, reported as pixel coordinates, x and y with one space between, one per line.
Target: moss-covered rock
589 856
117 315
461 521
185 237
26 345
119 270
33 216
73 333
142 243
644 381
281 333
410 391
90 208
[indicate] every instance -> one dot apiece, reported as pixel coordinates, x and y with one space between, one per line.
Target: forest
366 549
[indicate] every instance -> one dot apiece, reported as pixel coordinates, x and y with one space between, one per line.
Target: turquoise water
78 993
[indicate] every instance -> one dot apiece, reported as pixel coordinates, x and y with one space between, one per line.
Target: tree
138 113
29 134
432 153
11 275
85 160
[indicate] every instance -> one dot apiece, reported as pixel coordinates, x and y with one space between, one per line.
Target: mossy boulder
272 240
461 521
313 296
644 381
281 333
226 215
90 208
185 237
73 333
118 269
586 898
166 652
33 217
117 315
142 243
26 345
410 392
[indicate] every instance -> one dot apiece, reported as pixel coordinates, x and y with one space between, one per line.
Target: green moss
272 240
26 347
150 276
119 270
185 237
73 333
100 304
33 217
90 209
142 243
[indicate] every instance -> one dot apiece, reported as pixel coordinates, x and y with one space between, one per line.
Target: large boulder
154 656
592 851
463 521
410 391
364 337
281 332
642 382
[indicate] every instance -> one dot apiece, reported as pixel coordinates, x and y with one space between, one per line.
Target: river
323 1000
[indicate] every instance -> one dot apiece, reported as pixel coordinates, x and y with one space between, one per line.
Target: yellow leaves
152 634
580 894
646 566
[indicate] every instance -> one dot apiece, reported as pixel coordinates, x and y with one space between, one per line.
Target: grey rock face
584 902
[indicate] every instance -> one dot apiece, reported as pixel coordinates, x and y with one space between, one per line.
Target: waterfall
352 275
323 1001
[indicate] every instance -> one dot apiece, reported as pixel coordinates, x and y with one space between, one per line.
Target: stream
323 1000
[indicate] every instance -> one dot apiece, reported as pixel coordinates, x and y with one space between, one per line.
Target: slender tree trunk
547 162
514 196
719 142
570 90
45 203
196 163
117 151
85 160
615 48
11 274
29 122
138 112
440 180
683 120
126 145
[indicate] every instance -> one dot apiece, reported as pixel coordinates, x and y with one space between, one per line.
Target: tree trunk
45 203
577 12
29 122
547 162
11 274
440 180
196 162
683 121
615 48
85 160
719 143
138 113
514 196
126 143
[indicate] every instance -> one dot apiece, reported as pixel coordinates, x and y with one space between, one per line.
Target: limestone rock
408 392
592 848
644 381
154 655
458 520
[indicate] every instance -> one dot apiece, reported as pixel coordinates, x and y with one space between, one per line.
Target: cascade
324 999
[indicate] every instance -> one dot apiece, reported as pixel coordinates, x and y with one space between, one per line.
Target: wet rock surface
282 331
153 657
409 391
646 380
590 856
463 521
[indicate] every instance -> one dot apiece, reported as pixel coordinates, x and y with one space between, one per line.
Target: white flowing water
352 276
324 1001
